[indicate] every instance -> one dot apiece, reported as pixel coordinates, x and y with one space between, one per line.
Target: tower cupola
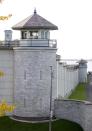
35 27
82 71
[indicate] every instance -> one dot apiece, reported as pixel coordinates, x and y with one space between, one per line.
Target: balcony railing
29 43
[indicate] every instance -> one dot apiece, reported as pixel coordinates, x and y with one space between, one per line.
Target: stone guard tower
82 71
32 61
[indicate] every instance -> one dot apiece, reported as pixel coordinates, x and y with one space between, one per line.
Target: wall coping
73 100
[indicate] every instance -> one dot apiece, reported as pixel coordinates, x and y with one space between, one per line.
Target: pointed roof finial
35 11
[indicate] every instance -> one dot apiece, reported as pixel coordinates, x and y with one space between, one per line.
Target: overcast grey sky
73 18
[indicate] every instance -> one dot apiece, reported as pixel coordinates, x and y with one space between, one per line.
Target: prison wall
6 75
67 79
76 111
33 80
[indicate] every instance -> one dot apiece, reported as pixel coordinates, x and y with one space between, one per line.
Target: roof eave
29 28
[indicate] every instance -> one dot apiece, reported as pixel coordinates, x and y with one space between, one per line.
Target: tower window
46 34
24 102
40 75
33 34
42 34
24 74
24 34
29 34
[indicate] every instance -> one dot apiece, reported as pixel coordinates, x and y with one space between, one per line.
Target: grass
6 124
79 93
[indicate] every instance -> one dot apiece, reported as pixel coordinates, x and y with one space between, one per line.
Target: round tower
32 61
82 71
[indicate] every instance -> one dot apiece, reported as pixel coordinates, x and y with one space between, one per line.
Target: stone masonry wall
6 81
33 80
67 79
76 111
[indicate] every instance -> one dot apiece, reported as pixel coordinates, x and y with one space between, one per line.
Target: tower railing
29 43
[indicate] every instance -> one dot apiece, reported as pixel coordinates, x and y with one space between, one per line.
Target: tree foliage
4 108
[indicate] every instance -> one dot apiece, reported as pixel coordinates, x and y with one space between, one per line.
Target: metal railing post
50 114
